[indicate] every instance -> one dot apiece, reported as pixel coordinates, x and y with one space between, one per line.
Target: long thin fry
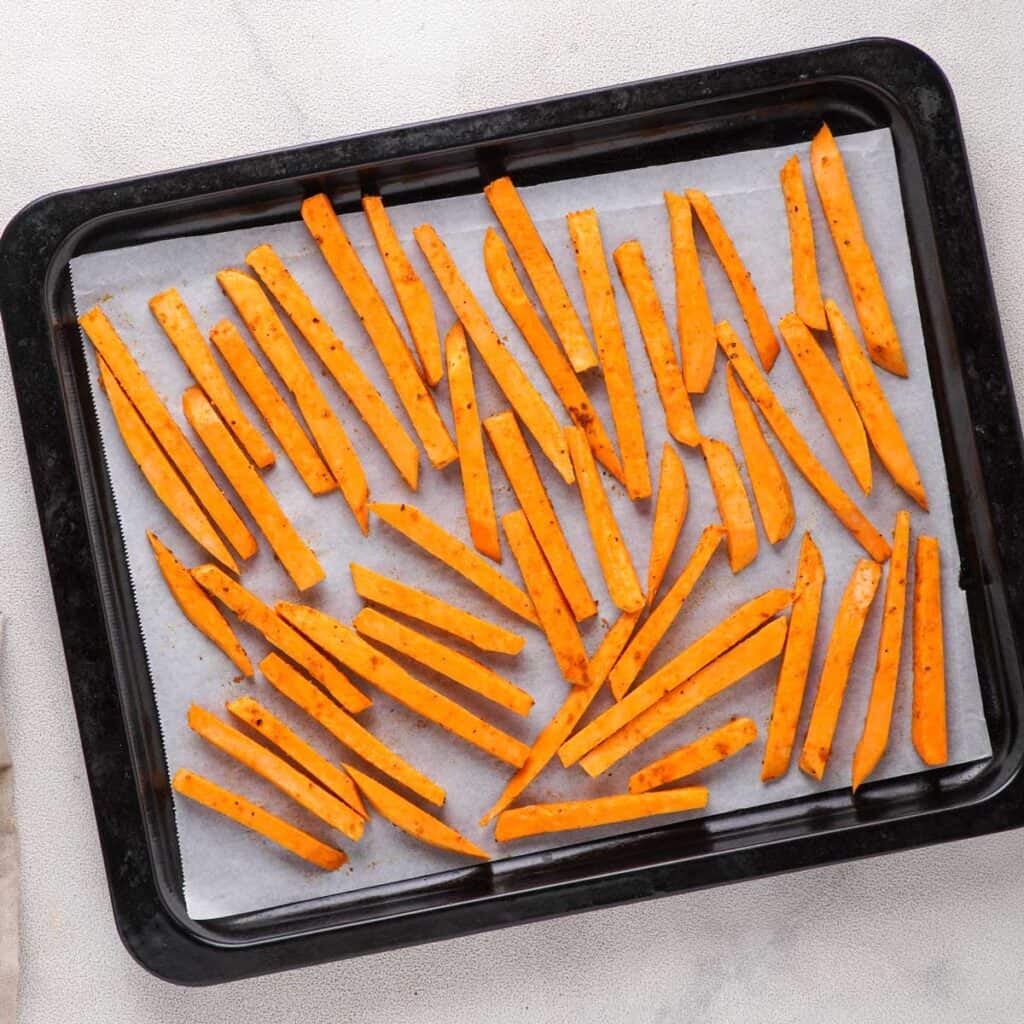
789 437
669 514
733 503
806 291
928 722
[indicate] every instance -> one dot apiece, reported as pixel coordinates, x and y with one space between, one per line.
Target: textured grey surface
105 89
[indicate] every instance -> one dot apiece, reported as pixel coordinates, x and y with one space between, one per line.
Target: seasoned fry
796 661
790 438
476 482
835 673
879 421
265 326
664 614
516 460
510 210
830 396
531 408
173 316
928 722
806 290
771 488
612 553
254 817
538 819
345 729
252 611
650 317
409 818
733 503
854 254
760 327
292 551
709 750
669 514
456 666
152 412
356 283
360 657
410 291
197 606
359 389
585 232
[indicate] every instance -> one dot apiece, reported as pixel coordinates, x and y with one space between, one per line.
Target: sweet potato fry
733 503
585 232
356 283
555 615
253 612
854 254
515 458
709 750
612 553
435 540
760 327
345 729
292 551
806 291
456 666
377 668
197 606
254 817
875 735
790 438
771 488
835 673
538 819
265 326
669 514
650 317
928 722
416 604
409 818
303 790
830 396
726 670
331 350
510 210
410 291
476 482
507 373
174 317
664 614
879 421
796 661
153 413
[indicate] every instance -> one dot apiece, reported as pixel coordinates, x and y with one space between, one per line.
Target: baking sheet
186 668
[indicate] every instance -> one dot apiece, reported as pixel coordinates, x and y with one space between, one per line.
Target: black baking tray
860 85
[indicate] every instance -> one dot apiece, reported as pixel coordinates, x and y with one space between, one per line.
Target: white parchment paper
228 870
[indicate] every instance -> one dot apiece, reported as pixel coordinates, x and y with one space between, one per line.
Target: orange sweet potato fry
669 514
806 290
733 503
928 722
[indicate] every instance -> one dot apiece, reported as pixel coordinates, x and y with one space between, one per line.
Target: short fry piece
197 606
806 291
409 818
709 750
515 458
733 503
538 819
254 817
650 317
928 724
476 482
835 673
174 317
510 210
771 488
760 327
669 514
854 254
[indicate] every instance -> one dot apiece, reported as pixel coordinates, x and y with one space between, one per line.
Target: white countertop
101 90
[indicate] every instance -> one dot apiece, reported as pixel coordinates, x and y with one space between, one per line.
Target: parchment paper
228 870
